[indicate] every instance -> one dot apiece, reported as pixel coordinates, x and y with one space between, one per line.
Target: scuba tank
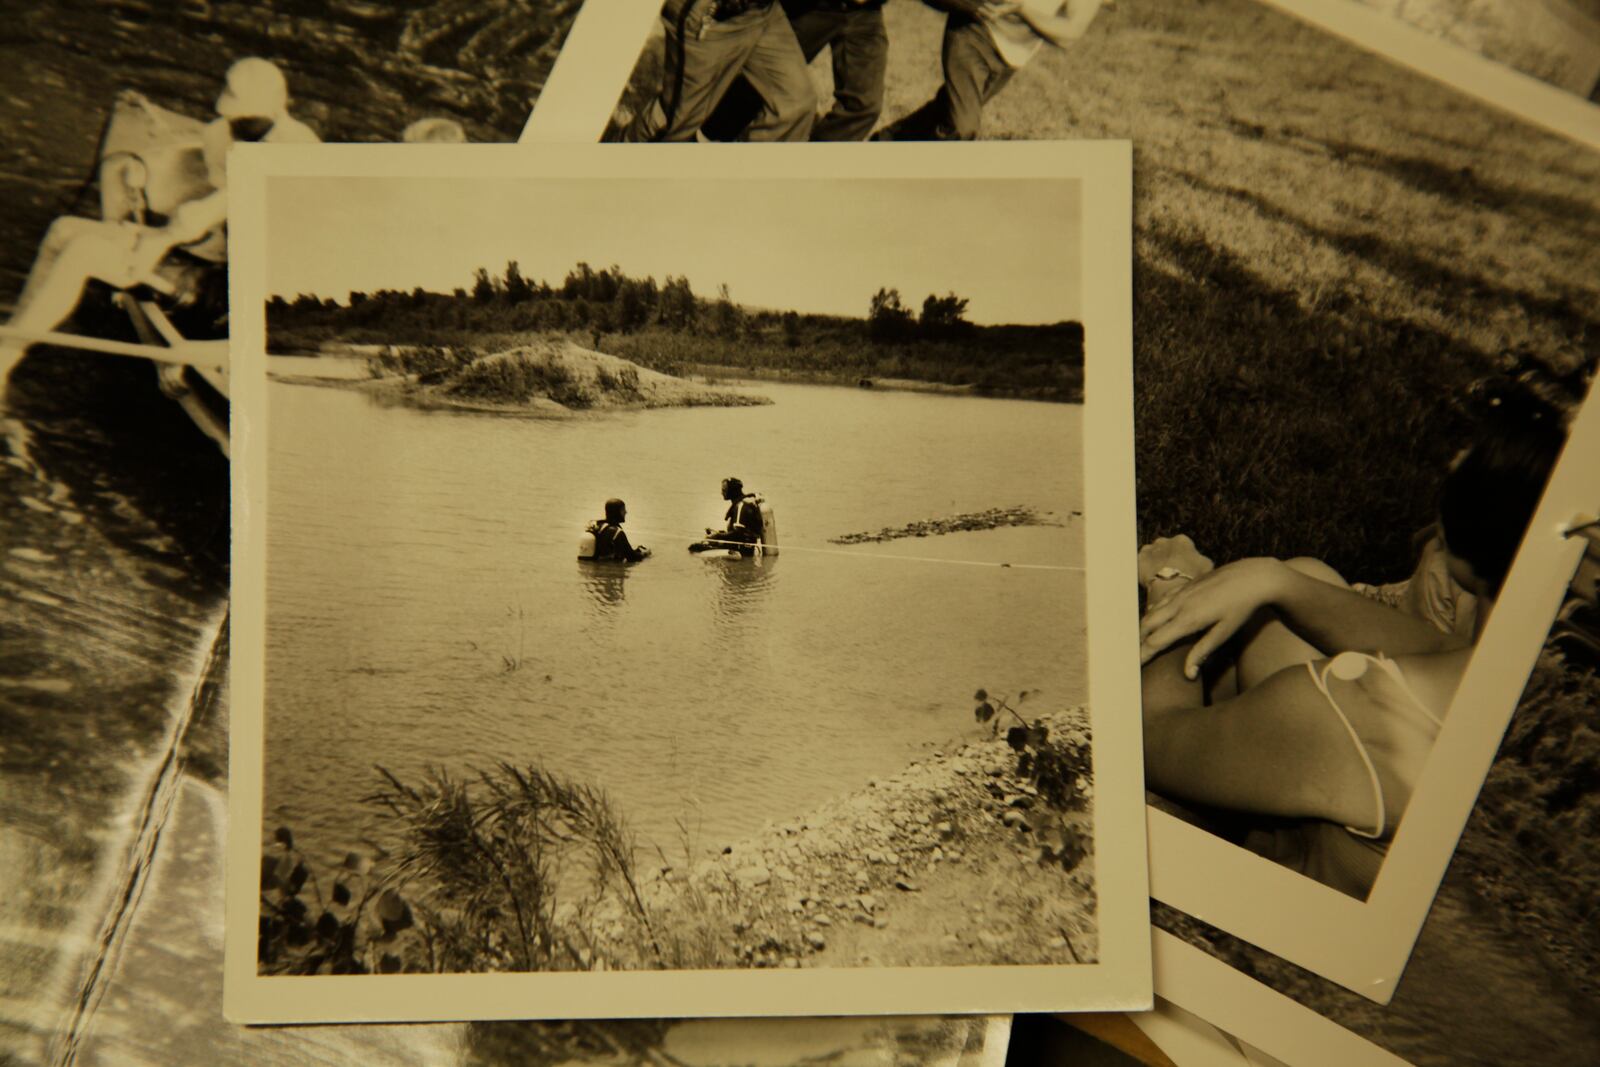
586 542
768 545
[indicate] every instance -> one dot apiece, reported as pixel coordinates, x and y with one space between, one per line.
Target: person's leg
967 75
814 29
1163 685
1000 74
73 251
860 58
703 57
974 73
777 70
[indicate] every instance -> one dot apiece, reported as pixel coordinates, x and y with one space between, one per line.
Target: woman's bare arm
1333 619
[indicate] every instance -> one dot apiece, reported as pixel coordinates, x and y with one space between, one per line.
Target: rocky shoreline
935 866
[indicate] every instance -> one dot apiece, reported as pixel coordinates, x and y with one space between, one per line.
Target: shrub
1059 766
512 869
425 361
356 928
623 383
518 377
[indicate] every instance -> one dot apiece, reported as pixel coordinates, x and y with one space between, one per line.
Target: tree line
609 301
667 326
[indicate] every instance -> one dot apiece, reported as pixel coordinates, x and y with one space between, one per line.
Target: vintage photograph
1363 307
955 70
1501 972
114 507
716 609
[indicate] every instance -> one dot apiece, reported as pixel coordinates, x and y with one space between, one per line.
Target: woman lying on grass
1273 689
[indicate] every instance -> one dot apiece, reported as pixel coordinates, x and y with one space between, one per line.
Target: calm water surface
426 606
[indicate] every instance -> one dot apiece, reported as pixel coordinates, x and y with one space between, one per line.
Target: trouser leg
813 31
702 60
860 48
970 77
958 103
777 70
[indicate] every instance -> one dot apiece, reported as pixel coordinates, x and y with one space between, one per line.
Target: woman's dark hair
1489 497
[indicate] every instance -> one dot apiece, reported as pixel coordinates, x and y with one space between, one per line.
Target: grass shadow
1243 414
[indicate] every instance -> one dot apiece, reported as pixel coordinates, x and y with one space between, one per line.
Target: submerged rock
991 519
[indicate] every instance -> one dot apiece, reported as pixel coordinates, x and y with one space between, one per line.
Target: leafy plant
993 709
356 928
1060 769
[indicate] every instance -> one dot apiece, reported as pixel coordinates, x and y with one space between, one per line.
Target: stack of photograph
1106 575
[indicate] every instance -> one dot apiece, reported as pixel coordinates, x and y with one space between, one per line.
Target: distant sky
1010 246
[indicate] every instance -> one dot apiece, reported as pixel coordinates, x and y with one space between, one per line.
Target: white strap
1321 682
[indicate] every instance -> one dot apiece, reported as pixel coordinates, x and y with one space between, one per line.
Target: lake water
426 606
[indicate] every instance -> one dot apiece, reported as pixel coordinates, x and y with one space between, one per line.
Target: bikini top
1398 733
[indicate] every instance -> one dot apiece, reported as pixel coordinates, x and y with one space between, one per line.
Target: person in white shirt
253 106
984 44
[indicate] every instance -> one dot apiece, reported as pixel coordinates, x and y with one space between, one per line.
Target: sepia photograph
719 608
114 505
114 508
1364 313
1501 968
958 70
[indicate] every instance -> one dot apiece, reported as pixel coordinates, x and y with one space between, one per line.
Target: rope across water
789 546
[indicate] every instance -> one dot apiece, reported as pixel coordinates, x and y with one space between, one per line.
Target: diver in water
609 542
744 525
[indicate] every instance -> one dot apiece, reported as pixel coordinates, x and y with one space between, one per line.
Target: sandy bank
544 378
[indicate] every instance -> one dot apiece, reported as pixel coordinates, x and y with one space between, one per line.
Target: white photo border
1121 980
1463 70
1218 1006
596 59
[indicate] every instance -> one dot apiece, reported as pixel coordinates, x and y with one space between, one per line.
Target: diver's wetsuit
610 543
